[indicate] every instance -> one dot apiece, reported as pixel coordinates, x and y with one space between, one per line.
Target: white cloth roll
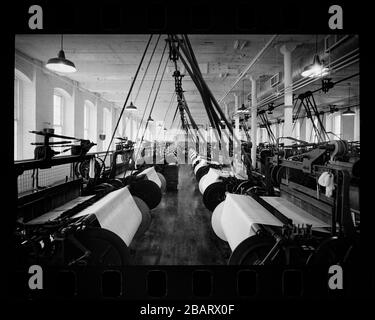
151 175
199 165
117 212
239 213
211 177
216 221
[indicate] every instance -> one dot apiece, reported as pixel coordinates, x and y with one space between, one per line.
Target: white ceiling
107 63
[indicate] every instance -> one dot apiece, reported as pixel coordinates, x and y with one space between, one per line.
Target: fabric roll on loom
211 177
112 216
233 218
156 177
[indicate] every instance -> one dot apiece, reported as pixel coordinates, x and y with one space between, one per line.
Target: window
107 127
314 137
337 126
281 129
297 129
309 130
86 121
58 113
24 116
17 117
120 128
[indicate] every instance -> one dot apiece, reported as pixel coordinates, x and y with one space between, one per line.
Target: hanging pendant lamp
131 107
243 109
60 63
348 111
316 69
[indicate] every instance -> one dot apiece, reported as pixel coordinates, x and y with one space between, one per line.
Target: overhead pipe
249 66
296 74
307 82
303 81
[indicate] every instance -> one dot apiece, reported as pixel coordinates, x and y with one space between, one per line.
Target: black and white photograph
179 164
187 149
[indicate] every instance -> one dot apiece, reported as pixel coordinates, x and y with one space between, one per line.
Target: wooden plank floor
180 232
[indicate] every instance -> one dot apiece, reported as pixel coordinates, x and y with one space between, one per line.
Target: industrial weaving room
175 149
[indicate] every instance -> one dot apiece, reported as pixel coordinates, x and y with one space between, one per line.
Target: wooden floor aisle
180 232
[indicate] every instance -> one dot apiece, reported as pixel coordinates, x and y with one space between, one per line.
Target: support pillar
286 50
237 117
254 109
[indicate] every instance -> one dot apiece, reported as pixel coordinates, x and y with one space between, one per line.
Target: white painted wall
39 85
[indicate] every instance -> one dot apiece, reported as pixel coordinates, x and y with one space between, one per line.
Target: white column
286 50
254 108
226 109
131 127
357 124
237 117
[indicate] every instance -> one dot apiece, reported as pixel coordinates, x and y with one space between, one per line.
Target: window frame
18 118
62 113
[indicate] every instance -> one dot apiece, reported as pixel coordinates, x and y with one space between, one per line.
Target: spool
213 195
146 217
253 250
106 248
148 191
216 221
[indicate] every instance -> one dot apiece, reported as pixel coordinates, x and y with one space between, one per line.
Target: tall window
17 117
310 132
337 126
281 129
58 113
86 121
296 133
107 127
120 127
